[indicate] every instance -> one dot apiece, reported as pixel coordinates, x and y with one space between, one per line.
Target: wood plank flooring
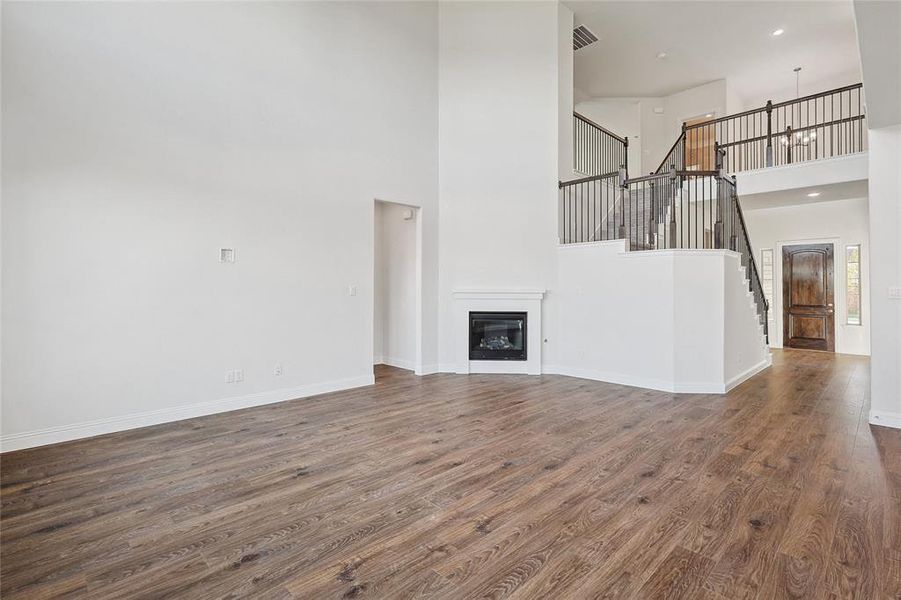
482 486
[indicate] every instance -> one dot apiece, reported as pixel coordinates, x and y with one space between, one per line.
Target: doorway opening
808 297
700 144
396 288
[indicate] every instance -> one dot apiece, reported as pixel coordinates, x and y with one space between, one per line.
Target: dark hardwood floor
482 486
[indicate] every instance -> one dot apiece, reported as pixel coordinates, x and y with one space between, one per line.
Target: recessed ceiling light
813 194
778 32
661 55
708 115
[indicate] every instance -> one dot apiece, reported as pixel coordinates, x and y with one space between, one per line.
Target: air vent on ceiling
582 37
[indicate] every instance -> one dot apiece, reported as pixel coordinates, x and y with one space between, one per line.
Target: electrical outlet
239 375
351 290
229 377
277 371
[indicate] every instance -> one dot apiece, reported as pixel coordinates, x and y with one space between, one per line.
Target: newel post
733 203
624 195
769 133
718 240
674 189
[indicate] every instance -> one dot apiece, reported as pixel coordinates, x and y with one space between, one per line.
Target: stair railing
671 209
823 125
675 158
740 242
597 150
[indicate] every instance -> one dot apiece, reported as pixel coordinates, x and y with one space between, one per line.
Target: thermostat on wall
226 255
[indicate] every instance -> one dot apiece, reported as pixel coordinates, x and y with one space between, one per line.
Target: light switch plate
894 292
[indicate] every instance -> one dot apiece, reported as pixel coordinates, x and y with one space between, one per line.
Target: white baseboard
65 433
662 385
428 369
885 418
400 363
742 377
610 377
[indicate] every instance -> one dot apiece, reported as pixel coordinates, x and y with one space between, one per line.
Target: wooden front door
808 309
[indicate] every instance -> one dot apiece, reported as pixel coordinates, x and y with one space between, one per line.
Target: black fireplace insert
497 336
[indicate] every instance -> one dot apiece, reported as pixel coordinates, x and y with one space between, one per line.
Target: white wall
395 286
565 92
622 116
814 174
138 138
656 319
498 120
842 223
885 273
655 131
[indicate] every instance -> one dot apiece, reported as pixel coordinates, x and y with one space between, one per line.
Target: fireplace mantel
497 300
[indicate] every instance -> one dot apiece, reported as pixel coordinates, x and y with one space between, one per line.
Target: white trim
64 433
525 300
577 245
885 419
609 377
682 252
819 161
751 372
693 387
661 385
512 294
400 363
428 369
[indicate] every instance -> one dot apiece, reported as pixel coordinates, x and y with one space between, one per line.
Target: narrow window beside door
852 274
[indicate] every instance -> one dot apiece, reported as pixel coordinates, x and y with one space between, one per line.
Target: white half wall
841 170
139 138
841 223
671 320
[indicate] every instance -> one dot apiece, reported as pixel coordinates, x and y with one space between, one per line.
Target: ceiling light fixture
661 55
778 32
708 115
813 194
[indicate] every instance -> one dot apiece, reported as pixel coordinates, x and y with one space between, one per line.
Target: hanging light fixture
800 138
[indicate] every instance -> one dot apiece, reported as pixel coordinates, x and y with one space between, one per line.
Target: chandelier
800 139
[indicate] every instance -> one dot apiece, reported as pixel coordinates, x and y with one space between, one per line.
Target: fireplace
497 335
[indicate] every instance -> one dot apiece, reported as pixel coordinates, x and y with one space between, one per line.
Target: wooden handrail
670 151
774 106
602 128
562 184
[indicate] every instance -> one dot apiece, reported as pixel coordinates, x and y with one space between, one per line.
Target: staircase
690 201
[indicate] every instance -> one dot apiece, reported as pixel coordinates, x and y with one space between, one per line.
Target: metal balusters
821 125
596 151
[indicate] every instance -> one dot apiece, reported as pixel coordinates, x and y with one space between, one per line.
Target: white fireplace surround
527 301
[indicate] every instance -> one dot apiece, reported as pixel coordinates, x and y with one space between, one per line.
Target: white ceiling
827 193
706 41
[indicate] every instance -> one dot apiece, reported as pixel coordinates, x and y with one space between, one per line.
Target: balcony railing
823 125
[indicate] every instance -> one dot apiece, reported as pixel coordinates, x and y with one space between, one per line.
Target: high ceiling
706 41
